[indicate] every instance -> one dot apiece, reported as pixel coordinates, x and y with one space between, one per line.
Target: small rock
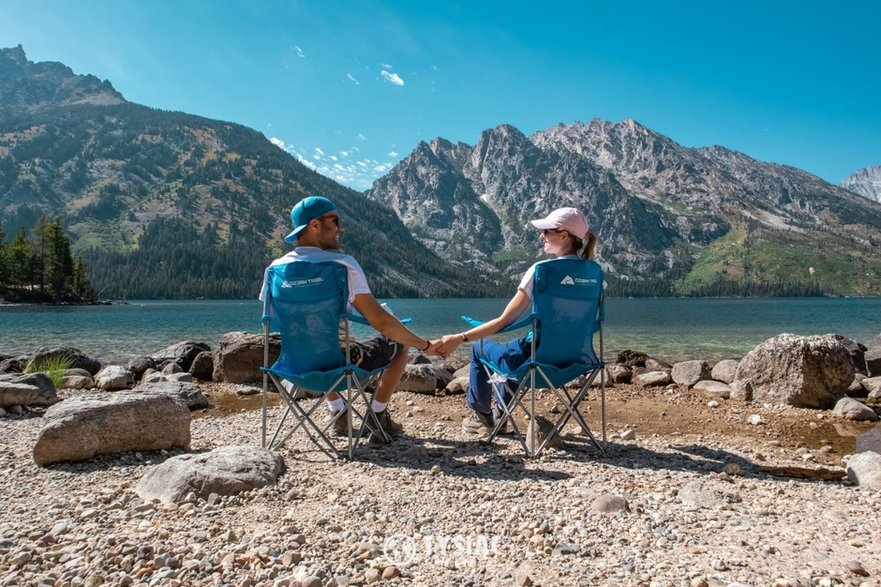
391 572
857 569
371 576
732 469
609 504
755 420
628 434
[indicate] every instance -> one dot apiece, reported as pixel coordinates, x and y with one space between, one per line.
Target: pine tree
59 263
80 282
19 258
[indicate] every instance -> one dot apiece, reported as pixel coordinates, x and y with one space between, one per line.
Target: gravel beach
689 494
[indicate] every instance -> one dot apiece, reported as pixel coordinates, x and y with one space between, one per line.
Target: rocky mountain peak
27 87
669 218
865 182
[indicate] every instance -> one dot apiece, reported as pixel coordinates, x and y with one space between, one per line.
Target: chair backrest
305 304
567 298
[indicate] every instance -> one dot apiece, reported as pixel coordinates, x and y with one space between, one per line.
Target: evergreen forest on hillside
40 268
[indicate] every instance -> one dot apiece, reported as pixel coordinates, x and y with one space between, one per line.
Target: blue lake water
670 328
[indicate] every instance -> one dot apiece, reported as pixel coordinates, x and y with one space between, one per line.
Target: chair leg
572 408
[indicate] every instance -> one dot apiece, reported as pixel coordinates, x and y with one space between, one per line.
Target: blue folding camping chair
306 303
567 311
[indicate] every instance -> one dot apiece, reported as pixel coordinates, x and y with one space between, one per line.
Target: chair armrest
356 317
525 321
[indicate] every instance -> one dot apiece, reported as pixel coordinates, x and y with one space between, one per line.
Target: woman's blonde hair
585 251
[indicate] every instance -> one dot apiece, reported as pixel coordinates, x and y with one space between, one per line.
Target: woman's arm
515 308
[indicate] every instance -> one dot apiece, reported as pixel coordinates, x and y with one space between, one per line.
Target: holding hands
444 346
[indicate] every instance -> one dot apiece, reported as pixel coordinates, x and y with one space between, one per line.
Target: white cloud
386 66
352 79
362 137
392 78
393 153
356 174
299 52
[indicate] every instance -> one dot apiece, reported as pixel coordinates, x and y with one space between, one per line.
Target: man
316 234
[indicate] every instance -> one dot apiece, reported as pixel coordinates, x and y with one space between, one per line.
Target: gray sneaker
389 426
340 426
497 415
477 423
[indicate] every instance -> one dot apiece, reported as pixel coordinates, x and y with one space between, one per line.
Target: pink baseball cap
569 219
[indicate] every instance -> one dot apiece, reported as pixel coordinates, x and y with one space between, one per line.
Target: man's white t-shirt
357 279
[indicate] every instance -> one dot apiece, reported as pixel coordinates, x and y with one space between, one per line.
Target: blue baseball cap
305 211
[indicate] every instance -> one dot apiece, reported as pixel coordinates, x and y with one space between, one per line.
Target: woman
565 233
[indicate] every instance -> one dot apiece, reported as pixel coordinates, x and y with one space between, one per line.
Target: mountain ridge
865 182
672 220
72 146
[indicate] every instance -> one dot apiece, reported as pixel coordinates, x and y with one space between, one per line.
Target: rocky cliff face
865 182
688 220
29 87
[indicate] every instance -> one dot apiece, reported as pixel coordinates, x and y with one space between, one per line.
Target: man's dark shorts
373 353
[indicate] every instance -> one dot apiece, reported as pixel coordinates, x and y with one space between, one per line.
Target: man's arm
385 323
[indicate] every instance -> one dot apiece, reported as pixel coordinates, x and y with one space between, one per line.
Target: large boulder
619 373
631 358
203 366
424 378
851 409
227 470
857 352
139 365
13 365
74 356
82 427
873 386
181 353
240 356
652 379
725 370
653 364
800 371
872 357
74 379
27 389
188 393
713 388
459 385
864 469
114 378
690 372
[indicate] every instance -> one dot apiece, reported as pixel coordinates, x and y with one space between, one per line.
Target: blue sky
352 87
